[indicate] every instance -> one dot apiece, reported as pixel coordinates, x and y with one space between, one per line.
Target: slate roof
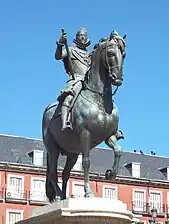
15 149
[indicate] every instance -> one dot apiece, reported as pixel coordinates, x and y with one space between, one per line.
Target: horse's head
112 52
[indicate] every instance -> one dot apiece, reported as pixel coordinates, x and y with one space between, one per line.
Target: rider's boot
66 124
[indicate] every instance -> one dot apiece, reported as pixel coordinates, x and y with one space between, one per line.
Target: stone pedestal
82 210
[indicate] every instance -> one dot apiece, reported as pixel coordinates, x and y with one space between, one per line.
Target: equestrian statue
85 114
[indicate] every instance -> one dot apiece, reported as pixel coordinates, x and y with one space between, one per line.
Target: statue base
82 210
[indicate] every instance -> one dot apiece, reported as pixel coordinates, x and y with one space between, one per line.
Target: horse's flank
95 119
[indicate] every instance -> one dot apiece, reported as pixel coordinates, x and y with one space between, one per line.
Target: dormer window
37 157
165 171
134 169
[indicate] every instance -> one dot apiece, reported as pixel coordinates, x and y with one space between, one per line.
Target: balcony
15 195
37 198
144 208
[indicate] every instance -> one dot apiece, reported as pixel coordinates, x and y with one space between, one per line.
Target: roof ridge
98 148
134 153
15 136
145 154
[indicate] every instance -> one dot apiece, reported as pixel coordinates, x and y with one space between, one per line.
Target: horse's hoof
58 198
89 195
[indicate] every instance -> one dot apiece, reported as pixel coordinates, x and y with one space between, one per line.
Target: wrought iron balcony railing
145 207
12 194
37 197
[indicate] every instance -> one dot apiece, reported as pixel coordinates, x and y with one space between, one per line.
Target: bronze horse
94 118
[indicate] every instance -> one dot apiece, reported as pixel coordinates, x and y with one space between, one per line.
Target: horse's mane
100 42
118 39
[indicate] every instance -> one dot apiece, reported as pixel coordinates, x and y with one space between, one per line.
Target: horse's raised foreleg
52 187
70 162
112 143
86 141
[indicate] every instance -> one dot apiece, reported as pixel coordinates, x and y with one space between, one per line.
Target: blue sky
30 77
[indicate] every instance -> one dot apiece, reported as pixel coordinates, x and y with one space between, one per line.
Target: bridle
110 68
112 76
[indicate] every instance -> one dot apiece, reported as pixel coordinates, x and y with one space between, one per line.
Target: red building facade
23 188
142 182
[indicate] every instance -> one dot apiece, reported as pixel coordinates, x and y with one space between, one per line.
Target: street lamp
153 216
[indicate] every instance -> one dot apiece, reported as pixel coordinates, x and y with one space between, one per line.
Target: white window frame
36 160
33 197
167 172
77 183
110 187
133 199
9 188
136 171
14 211
1 189
168 201
161 202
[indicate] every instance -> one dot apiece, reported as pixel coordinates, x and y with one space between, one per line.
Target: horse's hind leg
112 143
86 141
53 151
70 162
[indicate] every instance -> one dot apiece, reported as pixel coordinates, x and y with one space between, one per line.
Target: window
78 165
136 170
139 200
78 189
1 189
167 173
109 192
37 157
168 202
38 189
155 200
14 216
15 186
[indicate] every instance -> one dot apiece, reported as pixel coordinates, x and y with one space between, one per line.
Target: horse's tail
44 130
46 118
50 191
